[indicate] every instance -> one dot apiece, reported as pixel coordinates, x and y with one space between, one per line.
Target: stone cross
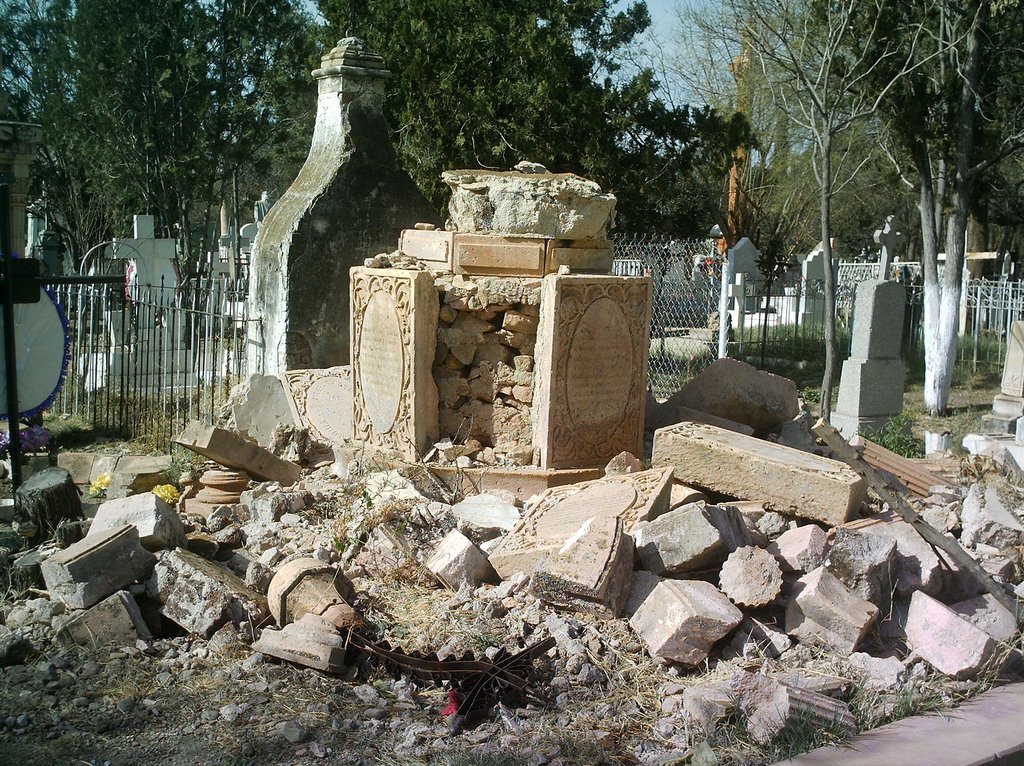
154 258
889 236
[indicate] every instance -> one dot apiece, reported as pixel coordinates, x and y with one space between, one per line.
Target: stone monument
871 385
350 201
508 337
1008 404
19 143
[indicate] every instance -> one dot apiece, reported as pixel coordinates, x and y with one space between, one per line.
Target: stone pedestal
871 385
533 352
349 202
19 142
1008 404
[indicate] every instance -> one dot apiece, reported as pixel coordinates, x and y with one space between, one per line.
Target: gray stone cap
351 56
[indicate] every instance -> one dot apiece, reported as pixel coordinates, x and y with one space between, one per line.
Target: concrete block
823 611
739 392
591 572
945 640
456 561
751 577
231 450
683 540
201 596
708 703
93 568
917 566
682 619
489 254
158 523
787 480
641 586
801 549
864 563
487 514
114 620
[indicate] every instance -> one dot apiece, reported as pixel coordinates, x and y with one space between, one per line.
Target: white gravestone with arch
158 351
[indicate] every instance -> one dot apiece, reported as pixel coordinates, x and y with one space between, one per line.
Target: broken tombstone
770 706
201 596
946 640
681 620
456 561
158 523
231 450
114 620
310 586
591 572
97 566
823 611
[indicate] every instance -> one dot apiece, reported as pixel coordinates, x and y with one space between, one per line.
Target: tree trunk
828 379
46 499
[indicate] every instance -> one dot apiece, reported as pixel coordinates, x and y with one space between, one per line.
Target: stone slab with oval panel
592 369
394 334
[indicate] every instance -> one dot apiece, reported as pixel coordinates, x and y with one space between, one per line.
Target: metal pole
10 355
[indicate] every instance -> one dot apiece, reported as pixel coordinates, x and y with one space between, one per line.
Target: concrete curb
986 730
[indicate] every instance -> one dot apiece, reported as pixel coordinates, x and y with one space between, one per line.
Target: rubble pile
714 585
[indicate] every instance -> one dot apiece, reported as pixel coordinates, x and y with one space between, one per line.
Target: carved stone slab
560 511
1013 367
592 369
394 335
321 400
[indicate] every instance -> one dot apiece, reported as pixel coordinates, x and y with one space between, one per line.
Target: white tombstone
154 259
812 271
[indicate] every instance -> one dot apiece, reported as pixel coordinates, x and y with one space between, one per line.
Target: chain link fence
684 313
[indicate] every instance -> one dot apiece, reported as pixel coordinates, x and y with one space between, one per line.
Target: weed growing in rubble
896 437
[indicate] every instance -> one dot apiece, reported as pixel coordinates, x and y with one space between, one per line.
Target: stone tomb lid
559 513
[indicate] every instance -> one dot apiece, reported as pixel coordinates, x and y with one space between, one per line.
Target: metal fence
147 363
684 311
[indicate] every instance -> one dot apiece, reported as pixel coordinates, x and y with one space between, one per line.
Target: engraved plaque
394 334
597 393
381 379
1013 367
321 400
591 369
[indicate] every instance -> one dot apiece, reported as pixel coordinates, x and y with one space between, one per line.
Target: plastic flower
168 493
98 488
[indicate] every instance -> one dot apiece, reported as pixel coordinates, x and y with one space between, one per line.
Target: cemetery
497 481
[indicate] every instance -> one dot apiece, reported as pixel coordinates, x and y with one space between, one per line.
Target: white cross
155 258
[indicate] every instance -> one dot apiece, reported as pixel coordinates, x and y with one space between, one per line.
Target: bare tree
829 66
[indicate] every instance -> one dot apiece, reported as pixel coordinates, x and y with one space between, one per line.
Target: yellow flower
168 493
103 480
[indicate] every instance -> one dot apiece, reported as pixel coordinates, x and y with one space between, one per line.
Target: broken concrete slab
93 568
880 673
456 561
311 641
681 494
737 391
917 566
560 511
114 620
708 703
258 406
770 706
591 572
801 549
158 523
682 619
133 474
487 514
232 451
823 611
201 596
864 563
987 516
986 613
751 577
945 640
787 480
